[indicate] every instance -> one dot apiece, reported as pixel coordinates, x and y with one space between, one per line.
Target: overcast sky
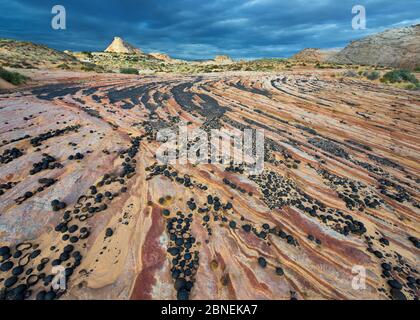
200 29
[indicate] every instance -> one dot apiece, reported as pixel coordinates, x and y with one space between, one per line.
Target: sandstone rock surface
81 188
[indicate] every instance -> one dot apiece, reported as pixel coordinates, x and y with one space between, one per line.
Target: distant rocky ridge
314 55
161 56
164 57
397 48
27 55
217 60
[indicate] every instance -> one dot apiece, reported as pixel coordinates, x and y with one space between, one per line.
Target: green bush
129 71
63 66
88 67
12 77
411 86
88 54
417 69
350 74
400 76
373 75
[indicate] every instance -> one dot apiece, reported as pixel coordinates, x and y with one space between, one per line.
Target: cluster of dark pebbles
235 168
58 205
266 229
21 279
184 262
353 193
47 162
6 186
415 241
312 238
393 191
10 154
234 186
173 175
279 191
263 264
217 209
77 156
36 141
395 271
287 237
129 164
329 147
5 142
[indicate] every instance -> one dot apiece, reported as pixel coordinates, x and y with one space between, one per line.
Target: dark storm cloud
195 29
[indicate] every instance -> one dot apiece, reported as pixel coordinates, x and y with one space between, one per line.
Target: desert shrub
129 71
63 66
13 77
400 76
88 67
322 66
88 54
410 86
17 66
350 73
372 75
28 65
133 59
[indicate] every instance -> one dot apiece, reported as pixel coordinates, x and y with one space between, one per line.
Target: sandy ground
5 85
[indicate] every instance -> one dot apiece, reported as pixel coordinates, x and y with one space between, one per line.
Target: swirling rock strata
338 194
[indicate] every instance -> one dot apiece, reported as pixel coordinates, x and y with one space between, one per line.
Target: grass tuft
129 71
397 76
14 78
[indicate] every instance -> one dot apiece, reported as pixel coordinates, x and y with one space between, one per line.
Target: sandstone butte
118 45
80 188
223 59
